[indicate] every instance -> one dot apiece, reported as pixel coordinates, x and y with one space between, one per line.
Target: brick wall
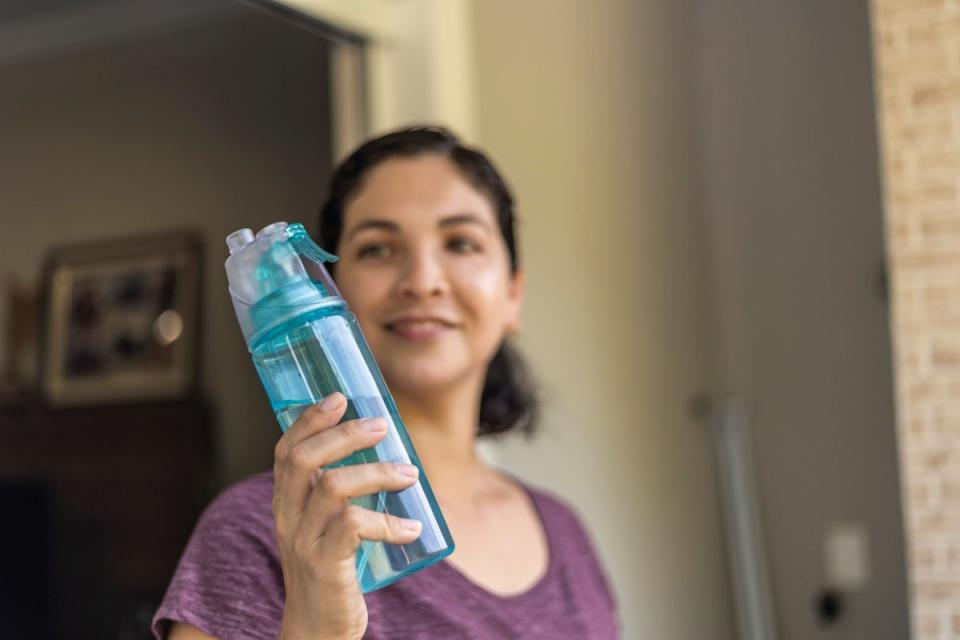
917 46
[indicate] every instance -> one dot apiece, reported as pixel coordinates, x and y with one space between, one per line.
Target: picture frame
121 320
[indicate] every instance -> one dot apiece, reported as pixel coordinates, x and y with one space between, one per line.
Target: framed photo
121 320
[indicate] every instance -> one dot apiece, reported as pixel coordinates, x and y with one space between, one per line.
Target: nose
423 276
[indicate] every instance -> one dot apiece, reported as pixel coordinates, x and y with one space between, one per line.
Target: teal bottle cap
275 275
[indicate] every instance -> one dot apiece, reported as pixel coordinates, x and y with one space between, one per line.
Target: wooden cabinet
96 505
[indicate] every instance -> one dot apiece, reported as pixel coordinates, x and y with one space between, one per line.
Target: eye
463 245
372 250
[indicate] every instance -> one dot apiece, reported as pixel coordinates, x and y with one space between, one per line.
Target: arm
314 535
184 631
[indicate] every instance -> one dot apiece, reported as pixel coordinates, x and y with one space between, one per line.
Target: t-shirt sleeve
600 578
594 566
580 555
228 582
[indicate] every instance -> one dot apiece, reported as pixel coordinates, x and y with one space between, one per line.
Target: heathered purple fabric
229 584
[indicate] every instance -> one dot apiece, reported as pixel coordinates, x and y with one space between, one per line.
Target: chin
416 377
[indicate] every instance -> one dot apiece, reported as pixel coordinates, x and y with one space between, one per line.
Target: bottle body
323 351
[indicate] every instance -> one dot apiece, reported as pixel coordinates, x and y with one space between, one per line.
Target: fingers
315 418
305 459
354 524
334 444
335 487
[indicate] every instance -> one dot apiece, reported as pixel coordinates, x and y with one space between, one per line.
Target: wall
917 48
589 110
792 202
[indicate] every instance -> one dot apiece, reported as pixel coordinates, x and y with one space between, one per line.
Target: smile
419 329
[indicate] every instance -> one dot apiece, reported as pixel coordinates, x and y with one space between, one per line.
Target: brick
930 259
907 131
939 160
941 94
942 227
929 625
935 32
894 9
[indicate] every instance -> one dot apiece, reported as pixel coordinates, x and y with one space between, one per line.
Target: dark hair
509 399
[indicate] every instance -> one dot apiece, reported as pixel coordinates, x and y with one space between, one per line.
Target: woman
424 228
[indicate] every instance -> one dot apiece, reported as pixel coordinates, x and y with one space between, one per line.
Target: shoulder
250 498
242 509
557 513
229 575
253 491
239 522
563 525
570 541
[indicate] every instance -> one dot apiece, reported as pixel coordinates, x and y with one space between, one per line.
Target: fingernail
331 402
409 470
411 525
375 425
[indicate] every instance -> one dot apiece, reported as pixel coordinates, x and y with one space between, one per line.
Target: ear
515 294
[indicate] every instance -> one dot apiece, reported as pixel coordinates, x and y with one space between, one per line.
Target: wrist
290 631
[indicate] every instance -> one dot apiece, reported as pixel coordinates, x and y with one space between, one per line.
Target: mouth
420 328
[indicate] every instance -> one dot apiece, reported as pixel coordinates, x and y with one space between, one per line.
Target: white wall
589 109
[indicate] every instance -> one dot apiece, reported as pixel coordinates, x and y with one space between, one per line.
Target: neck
443 427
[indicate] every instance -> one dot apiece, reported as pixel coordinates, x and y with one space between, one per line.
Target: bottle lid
239 239
275 275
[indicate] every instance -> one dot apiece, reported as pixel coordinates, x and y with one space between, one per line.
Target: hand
318 530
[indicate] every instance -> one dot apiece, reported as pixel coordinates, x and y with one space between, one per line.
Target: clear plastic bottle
306 344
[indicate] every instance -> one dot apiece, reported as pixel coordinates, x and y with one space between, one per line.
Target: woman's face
424 267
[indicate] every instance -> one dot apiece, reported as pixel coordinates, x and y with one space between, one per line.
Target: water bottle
306 344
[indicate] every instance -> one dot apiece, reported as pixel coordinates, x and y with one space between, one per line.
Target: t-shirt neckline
541 582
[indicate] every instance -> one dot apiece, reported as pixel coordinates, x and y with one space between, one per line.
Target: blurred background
740 226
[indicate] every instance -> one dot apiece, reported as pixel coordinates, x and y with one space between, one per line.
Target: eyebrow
464 218
393 227
386 225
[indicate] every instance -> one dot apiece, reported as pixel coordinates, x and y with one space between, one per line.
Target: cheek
364 290
485 293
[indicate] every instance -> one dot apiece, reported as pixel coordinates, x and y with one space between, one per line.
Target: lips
420 327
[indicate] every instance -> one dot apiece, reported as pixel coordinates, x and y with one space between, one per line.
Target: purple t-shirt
229 584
